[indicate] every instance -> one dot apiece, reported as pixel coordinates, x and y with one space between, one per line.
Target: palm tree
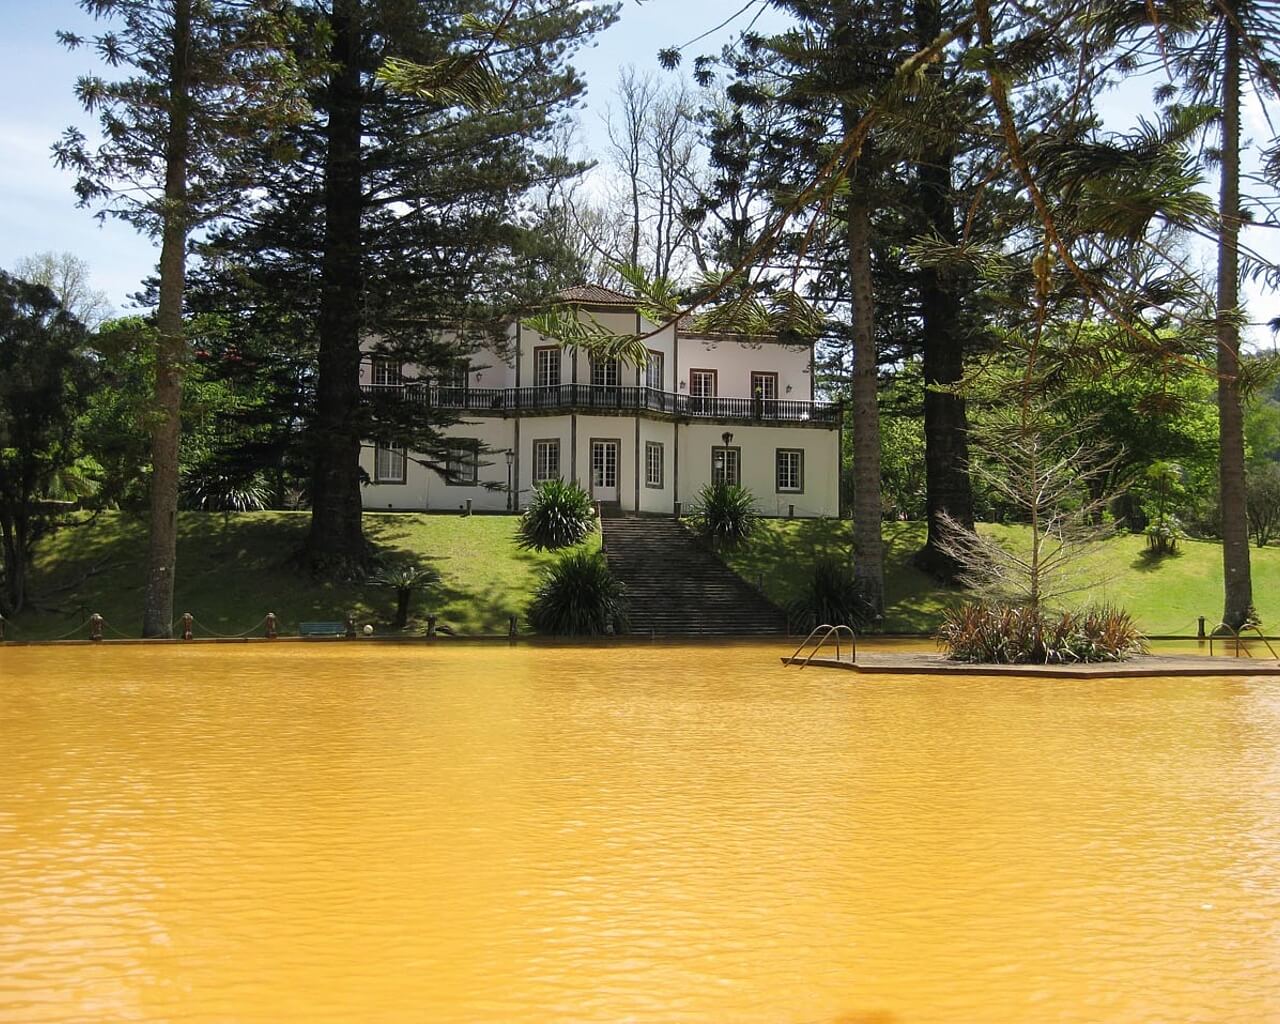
404 579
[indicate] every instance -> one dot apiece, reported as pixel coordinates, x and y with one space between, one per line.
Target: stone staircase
678 587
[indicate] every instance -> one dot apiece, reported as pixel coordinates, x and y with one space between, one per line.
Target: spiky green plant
218 492
1005 634
579 596
560 514
832 595
405 578
725 514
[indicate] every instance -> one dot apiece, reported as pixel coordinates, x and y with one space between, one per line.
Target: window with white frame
605 372
726 465
454 375
702 383
463 466
653 371
653 463
790 469
546 366
386 372
389 465
546 461
764 385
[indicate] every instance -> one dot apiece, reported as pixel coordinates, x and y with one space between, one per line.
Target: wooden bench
322 629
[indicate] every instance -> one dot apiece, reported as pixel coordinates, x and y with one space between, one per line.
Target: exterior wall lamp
511 458
727 438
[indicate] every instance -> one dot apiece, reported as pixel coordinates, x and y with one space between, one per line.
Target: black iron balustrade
609 398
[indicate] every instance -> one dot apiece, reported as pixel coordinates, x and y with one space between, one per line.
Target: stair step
678 587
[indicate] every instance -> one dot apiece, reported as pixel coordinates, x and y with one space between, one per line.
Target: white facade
647 438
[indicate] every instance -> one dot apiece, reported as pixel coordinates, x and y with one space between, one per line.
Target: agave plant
404 578
559 515
725 514
579 596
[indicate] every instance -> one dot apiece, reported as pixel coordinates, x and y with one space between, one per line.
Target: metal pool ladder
828 633
1234 634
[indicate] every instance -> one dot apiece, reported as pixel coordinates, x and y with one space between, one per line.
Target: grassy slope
231 573
1164 596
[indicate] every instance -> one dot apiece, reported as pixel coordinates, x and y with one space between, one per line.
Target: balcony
608 400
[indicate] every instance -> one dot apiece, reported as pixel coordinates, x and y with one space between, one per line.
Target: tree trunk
946 423
868 565
13 535
171 346
336 542
1237 580
948 488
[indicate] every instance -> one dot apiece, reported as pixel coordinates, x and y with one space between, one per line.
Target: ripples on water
662 834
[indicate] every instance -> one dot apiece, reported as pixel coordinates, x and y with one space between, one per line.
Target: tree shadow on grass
1152 561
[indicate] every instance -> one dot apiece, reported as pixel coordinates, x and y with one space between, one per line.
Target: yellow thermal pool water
364 832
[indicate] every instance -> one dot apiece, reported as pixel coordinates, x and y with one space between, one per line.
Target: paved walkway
918 664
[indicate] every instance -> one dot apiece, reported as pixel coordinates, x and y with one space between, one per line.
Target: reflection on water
332 832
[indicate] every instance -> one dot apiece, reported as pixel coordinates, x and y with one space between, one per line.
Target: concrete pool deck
919 663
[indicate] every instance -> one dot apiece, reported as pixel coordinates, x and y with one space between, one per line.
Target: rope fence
227 636
98 627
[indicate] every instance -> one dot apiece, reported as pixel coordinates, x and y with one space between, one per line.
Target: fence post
351 625
187 620
272 631
1200 629
468 511
96 622
511 629
431 625
791 511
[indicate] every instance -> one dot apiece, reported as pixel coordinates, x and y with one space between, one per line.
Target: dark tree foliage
404 218
826 100
45 379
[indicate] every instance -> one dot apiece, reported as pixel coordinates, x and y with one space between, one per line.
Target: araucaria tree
205 79
407 220
803 133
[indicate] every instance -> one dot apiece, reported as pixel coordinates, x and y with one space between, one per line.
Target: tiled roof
596 295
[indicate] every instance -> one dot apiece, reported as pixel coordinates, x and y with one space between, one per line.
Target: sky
38 209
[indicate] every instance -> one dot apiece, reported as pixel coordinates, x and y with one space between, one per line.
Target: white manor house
639 439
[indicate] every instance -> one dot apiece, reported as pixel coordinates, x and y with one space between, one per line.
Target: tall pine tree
409 215
208 79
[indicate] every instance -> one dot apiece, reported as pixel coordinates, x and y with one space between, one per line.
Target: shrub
831 595
559 515
725 514
1004 634
1164 531
1264 502
404 578
579 596
1160 488
224 493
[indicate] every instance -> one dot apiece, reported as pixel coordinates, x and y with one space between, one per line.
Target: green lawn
232 572
1164 596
